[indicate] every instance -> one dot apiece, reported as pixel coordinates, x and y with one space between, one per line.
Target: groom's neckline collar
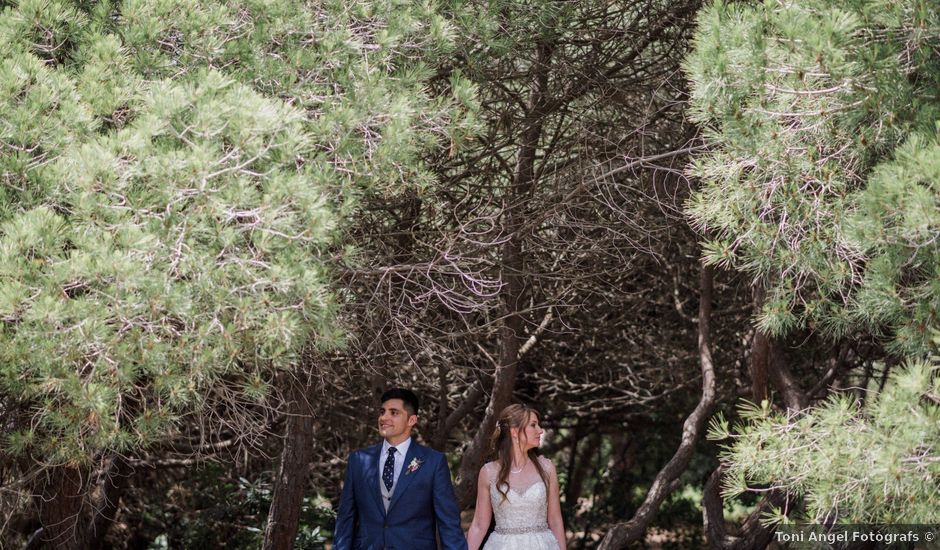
402 447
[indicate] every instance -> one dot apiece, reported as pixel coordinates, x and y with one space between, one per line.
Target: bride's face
531 434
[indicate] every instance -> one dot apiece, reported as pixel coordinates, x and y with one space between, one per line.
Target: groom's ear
412 420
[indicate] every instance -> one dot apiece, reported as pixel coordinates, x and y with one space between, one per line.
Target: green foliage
823 180
896 224
824 184
873 465
174 175
215 510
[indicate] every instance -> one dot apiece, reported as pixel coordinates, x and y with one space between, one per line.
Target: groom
397 494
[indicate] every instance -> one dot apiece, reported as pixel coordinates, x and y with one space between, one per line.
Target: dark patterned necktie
388 473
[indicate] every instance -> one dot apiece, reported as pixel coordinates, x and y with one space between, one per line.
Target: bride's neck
519 458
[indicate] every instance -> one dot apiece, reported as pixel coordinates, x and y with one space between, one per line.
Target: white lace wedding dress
522 516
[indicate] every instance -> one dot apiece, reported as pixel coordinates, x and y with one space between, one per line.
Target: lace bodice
524 509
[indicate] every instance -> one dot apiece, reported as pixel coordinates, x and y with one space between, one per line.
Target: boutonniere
413 466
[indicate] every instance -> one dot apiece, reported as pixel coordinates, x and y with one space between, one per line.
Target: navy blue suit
423 503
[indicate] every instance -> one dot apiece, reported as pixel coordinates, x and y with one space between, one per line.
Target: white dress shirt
402 450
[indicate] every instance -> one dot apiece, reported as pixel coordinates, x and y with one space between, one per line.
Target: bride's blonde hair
513 416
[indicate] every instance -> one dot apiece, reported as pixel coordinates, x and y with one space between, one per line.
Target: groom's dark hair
407 397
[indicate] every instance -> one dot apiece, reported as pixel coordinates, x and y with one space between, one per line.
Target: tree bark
837 359
578 469
783 379
759 367
291 483
760 355
439 438
107 500
513 290
62 509
752 535
448 423
667 480
768 364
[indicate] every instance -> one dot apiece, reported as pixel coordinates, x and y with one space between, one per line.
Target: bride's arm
482 514
555 522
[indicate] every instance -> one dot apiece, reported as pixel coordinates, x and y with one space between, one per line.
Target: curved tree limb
446 424
667 480
751 535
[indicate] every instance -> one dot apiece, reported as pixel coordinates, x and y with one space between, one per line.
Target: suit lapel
415 451
372 475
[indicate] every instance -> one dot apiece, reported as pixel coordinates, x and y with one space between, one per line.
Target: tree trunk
62 510
291 483
667 480
578 469
759 367
768 364
513 290
439 437
783 380
752 534
107 500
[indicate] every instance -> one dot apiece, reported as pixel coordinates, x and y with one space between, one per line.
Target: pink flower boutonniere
413 466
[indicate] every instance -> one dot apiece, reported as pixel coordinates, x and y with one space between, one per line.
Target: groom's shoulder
365 451
429 452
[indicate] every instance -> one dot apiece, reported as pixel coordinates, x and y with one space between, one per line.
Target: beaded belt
521 530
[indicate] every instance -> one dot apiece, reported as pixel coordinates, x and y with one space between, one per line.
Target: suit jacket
423 503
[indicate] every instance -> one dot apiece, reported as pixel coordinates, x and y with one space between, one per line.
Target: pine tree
804 103
823 184
875 464
174 176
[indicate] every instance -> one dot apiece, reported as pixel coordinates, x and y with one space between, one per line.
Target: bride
520 488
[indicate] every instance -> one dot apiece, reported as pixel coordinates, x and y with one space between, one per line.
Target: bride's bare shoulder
547 464
490 468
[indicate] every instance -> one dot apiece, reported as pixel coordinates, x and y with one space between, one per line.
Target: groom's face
395 422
